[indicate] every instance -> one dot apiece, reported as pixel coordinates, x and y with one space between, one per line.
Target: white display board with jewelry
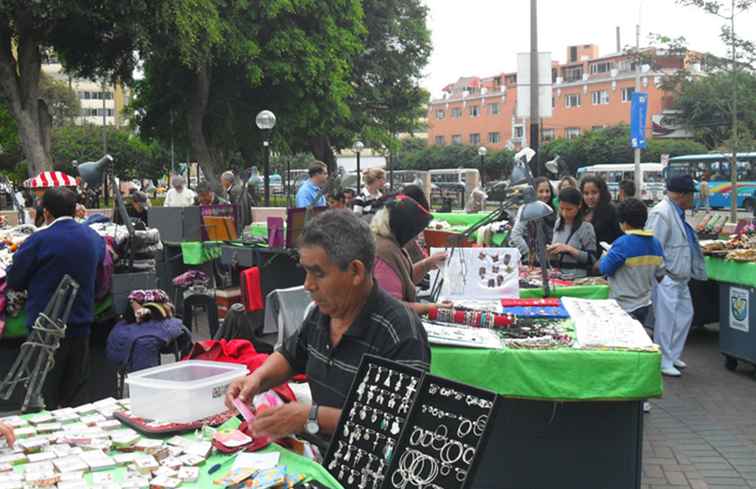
372 419
482 273
445 432
603 324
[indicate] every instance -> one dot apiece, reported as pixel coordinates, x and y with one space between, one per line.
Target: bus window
652 176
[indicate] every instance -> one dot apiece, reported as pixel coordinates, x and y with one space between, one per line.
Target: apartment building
588 92
100 103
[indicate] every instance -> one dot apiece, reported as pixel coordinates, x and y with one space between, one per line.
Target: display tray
149 427
447 429
371 422
402 428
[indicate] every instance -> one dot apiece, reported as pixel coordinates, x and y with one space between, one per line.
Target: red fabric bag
251 290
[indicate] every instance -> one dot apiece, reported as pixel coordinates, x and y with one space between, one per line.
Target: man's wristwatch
312 427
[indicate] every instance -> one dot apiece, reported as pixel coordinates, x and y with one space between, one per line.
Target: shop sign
739 309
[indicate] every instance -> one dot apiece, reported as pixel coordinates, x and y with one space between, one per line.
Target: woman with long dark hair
597 209
524 234
573 248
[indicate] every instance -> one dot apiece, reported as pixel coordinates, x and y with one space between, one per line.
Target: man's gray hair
177 181
344 237
228 176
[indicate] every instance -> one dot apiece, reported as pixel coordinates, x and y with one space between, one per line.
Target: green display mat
199 252
579 291
564 374
15 326
731 272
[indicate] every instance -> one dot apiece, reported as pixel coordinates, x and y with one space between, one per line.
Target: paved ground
702 433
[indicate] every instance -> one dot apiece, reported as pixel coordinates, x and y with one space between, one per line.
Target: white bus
651 188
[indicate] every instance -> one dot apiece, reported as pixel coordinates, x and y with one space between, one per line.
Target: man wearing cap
136 209
683 260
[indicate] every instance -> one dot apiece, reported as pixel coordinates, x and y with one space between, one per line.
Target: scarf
407 218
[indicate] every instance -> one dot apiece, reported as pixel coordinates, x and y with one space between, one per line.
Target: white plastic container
182 392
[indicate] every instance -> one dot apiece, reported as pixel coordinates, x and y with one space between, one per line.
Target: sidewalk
702 433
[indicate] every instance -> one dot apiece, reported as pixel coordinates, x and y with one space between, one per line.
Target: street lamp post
266 121
482 152
358 147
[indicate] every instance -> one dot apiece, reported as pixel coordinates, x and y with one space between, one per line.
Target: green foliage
133 157
416 155
705 109
612 145
10 147
62 102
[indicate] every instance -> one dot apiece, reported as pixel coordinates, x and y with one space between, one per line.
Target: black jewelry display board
401 428
371 422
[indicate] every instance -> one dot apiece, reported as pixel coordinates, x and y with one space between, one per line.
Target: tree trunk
196 120
19 82
321 149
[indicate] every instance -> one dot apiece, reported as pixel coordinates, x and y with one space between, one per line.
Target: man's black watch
312 427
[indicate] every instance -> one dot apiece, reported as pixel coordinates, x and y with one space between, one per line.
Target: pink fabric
387 279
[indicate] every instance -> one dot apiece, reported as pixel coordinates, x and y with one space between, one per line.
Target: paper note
257 461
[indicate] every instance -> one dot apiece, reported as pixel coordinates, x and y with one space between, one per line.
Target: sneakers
670 372
680 364
646 407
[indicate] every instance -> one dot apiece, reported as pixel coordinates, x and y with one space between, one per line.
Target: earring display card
371 423
443 436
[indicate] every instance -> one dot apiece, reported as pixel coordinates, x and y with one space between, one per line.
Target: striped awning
49 179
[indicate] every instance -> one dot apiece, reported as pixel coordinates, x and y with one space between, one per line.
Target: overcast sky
483 37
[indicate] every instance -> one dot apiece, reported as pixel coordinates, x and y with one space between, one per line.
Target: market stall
87 447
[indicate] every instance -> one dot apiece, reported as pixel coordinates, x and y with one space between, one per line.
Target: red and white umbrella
50 179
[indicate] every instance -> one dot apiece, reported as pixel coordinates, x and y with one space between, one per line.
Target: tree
10 149
223 61
387 98
91 39
134 158
611 145
62 102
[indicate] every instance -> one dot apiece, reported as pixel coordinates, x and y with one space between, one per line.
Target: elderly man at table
232 188
683 260
353 317
179 195
310 193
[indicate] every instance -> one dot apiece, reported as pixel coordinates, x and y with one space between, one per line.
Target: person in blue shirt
634 263
683 260
63 247
310 193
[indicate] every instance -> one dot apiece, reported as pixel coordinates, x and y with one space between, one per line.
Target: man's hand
7 433
245 389
281 421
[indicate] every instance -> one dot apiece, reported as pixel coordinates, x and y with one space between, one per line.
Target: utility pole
637 152
534 84
734 161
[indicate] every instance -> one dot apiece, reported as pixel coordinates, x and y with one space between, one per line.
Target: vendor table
731 272
560 412
295 463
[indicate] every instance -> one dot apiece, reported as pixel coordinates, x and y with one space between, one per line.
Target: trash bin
737 324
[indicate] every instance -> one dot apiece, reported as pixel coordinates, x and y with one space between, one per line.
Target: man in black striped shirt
353 317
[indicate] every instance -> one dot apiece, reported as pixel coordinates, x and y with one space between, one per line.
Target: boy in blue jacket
634 262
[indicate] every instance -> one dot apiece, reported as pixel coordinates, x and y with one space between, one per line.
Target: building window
604 67
572 132
474 110
493 109
572 100
456 139
627 94
548 134
600 97
518 132
456 113
440 140
494 137
475 138
596 128
440 114
573 74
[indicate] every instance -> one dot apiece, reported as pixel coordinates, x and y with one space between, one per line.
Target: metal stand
37 356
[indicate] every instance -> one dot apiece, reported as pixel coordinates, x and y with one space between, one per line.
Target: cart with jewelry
403 428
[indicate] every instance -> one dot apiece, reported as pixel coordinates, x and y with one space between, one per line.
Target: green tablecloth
580 291
564 374
199 252
731 272
15 326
